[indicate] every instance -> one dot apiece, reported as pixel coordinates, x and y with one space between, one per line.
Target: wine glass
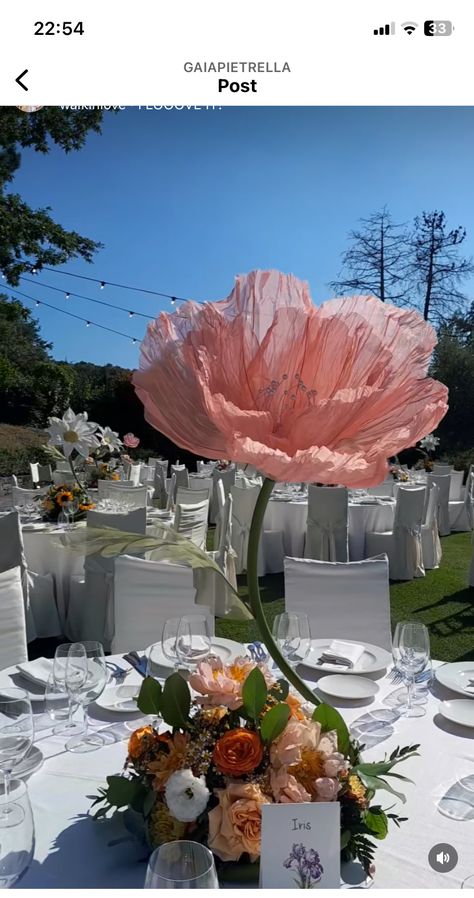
16 739
72 509
181 865
17 841
56 687
414 652
291 632
193 639
168 640
86 678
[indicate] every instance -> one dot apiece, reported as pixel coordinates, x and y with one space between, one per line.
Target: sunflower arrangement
59 496
242 742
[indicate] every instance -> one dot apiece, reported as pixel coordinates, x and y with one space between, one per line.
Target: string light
131 314
173 300
68 296
102 285
99 302
88 323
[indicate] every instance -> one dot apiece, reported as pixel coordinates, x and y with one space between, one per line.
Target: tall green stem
254 595
73 470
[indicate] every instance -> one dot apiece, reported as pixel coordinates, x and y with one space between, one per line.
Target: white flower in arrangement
429 442
73 432
110 439
186 795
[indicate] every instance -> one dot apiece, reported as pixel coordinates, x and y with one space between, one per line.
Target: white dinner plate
352 687
459 710
30 763
373 660
226 649
456 676
120 699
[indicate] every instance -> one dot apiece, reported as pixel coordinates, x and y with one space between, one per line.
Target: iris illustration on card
300 846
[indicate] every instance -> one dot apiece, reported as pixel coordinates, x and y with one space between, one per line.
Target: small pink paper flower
326 789
286 787
131 441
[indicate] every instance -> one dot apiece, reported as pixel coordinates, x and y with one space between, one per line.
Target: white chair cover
63 466
228 480
430 541
40 608
191 496
403 544
134 474
244 501
34 470
461 511
442 469
182 475
443 481
91 604
147 593
342 600
66 477
13 648
201 483
327 530
456 485
210 590
205 467
221 501
160 496
191 521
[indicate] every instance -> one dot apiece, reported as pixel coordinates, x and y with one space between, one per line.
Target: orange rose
235 825
141 741
237 752
295 707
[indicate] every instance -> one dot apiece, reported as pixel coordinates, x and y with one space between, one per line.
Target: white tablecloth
72 850
290 518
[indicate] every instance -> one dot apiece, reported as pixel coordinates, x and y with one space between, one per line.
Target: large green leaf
376 820
254 693
175 702
123 792
274 722
330 719
149 697
376 783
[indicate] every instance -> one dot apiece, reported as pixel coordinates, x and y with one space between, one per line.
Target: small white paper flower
186 795
429 442
73 432
110 438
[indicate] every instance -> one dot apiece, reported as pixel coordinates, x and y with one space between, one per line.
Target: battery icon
438 28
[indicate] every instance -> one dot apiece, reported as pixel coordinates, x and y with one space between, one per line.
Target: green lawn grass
442 600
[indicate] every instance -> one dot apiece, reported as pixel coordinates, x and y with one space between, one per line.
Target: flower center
283 395
71 436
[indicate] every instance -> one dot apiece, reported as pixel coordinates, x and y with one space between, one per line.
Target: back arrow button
19 81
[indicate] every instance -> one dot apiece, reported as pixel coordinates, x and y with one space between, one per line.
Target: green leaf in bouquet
175 702
376 821
254 693
149 697
330 719
123 792
376 783
274 722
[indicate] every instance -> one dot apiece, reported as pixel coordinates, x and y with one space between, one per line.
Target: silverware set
396 676
258 652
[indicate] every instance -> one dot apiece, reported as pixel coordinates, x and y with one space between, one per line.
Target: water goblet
17 840
414 652
16 739
291 632
86 678
181 865
193 639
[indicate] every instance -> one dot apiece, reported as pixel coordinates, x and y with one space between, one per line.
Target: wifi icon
409 27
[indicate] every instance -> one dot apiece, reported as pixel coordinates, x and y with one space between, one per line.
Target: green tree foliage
30 237
453 364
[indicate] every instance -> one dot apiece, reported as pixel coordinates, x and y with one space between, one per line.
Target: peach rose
141 741
222 685
326 789
286 787
298 734
235 824
334 764
237 752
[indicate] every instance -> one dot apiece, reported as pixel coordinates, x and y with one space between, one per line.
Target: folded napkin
347 654
33 525
37 671
197 648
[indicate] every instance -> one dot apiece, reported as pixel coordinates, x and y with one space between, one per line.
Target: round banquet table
75 851
290 518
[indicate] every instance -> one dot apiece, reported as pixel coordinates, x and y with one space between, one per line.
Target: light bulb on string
134 340
173 300
102 285
37 303
68 296
88 324
131 314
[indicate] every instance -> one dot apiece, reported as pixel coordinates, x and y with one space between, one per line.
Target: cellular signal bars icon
385 29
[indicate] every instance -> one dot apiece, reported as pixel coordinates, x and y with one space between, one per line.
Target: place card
301 846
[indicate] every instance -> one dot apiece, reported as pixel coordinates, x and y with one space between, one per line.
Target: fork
116 672
395 676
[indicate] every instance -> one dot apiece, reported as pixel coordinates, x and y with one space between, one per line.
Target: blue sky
184 200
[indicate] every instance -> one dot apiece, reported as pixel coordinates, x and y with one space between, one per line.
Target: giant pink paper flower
302 393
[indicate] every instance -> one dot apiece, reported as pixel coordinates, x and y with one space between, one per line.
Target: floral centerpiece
398 473
83 443
59 497
245 740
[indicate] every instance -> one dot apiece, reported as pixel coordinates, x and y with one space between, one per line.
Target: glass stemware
291 632
413 651
86 678
56 687
17 842
193 639
16 739
168 641
181 865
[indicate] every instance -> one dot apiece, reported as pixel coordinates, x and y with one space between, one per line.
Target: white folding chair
147 594
443 482
191 496
90 612
134 497
430 541
13 649
442 469
160 495
327 530
461 511
221 500
210 589
191 521
228 480
456 486
182 475
244 501
159 463
402 545
343 600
